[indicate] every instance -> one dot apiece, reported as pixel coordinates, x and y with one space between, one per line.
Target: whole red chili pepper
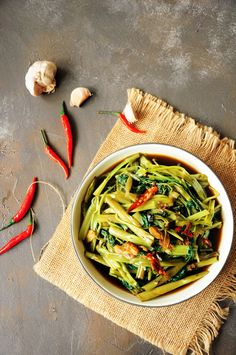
25 206
53 155
18 238
69 138
124 120
144 197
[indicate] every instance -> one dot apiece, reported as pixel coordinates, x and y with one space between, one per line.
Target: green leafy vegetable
107 236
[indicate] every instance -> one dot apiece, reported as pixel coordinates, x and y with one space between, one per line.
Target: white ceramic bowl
226 236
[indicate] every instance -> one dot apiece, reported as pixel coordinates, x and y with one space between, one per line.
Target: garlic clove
40 78
129 113
78 96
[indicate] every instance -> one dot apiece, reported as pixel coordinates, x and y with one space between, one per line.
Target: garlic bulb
78 96
40 78
129 113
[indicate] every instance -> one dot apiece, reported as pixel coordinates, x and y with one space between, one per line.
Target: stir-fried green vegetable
151 226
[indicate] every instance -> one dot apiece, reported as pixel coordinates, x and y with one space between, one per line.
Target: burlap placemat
192 324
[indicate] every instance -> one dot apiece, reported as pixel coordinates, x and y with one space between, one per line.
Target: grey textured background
182 51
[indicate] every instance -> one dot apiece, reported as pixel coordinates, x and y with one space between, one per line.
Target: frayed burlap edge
206 137
214 318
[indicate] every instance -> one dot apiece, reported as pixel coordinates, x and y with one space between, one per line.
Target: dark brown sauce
105 271
162 160
215 235
165 160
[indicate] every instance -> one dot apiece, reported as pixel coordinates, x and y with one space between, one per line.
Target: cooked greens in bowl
152 225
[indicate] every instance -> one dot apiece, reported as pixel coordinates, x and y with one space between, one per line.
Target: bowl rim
75 199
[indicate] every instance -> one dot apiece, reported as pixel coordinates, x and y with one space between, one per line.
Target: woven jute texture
191 325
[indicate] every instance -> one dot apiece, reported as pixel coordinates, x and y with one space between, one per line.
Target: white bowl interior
226 234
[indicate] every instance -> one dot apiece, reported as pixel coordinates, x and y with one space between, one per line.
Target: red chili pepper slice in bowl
147 195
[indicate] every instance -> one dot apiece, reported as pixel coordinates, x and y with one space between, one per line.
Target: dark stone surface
182 51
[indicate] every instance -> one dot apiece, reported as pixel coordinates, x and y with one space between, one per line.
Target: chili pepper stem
114 113
44 137
62 108
31 219
11 222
